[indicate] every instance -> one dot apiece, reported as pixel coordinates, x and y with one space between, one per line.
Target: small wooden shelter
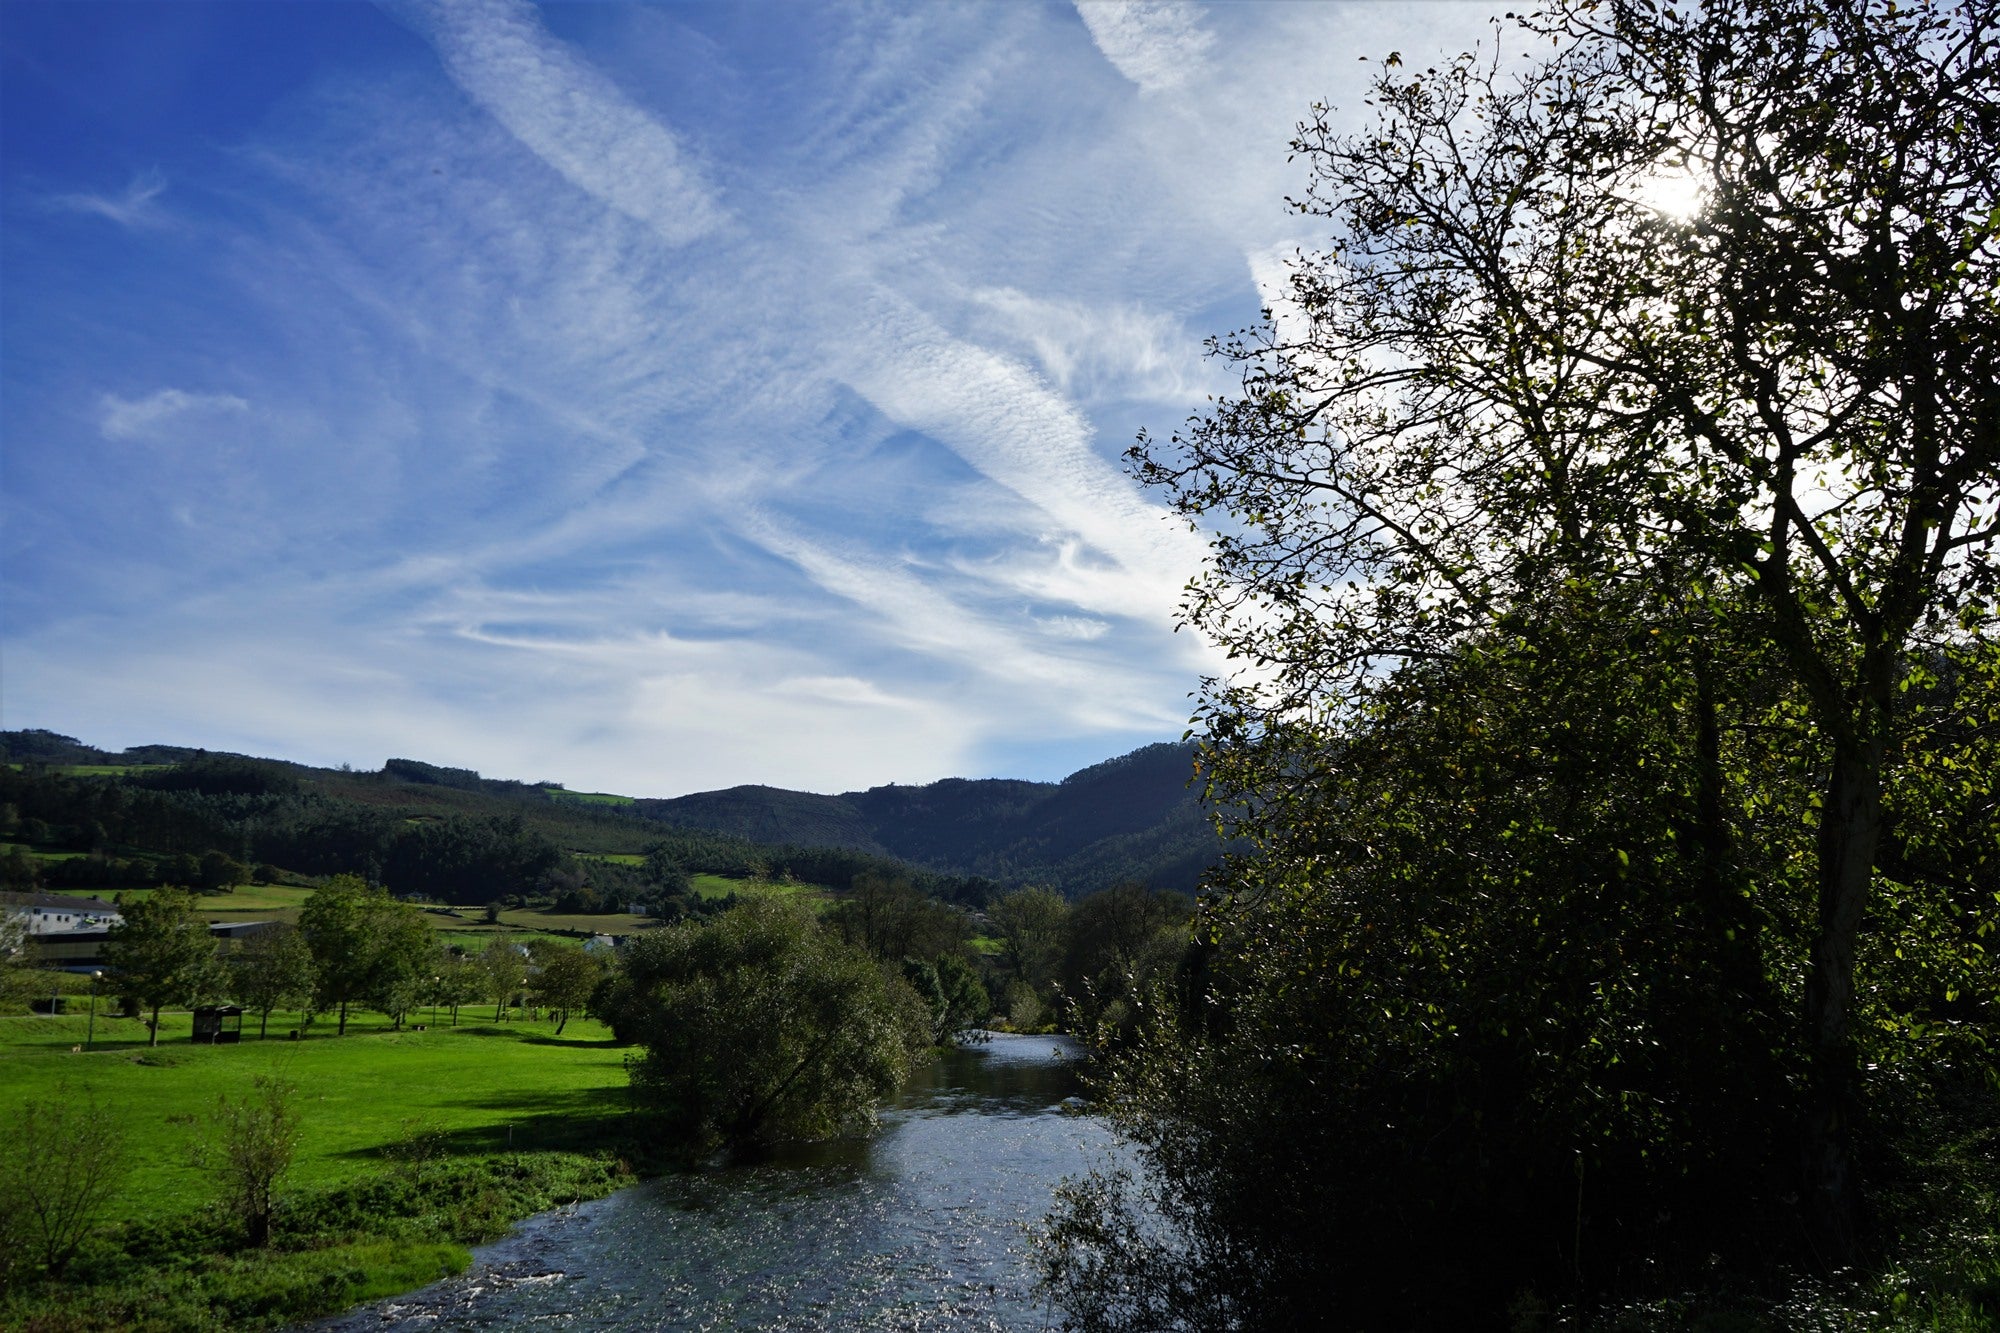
218 1024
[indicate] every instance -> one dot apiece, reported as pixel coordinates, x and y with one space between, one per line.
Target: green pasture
255 898
591 923
28 849
721 886
242 898
474 939
588 797
616 858
245 902
479 1088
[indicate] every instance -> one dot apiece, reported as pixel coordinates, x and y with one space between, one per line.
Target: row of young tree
354 947
1615 775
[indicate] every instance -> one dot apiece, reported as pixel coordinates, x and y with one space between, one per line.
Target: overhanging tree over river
1638 442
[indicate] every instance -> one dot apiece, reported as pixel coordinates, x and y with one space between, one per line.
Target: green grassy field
27 849
237 901
588 797
594 923
483 1087
721 886
474 939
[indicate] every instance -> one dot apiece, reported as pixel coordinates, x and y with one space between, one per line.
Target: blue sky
649 398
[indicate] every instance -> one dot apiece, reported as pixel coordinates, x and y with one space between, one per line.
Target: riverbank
331 1249
414 1145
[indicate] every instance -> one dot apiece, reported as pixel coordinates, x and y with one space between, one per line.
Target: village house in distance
68 933
63 930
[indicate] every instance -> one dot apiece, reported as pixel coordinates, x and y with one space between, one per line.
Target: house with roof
60 913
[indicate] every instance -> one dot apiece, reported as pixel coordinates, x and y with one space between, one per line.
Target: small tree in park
403 958
460 980
163 953
273 970
564 981
367 947
506 972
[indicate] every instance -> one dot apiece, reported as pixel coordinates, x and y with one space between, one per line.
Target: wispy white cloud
147 417
1010 425
134 207
568 113
1119 349
1158 44
819 490
1072 627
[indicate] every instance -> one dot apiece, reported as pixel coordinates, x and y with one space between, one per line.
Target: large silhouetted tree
1702 308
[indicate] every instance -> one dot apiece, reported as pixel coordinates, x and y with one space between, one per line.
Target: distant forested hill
74 815
1135 817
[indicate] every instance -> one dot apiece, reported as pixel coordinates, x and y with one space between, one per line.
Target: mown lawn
480 1088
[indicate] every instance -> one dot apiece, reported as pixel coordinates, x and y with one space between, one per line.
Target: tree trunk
342 1030
153 1027
1732 929
1849 832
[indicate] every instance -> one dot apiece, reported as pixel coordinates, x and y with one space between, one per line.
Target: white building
59 913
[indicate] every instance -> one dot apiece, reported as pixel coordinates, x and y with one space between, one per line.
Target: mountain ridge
1067 834
1132 817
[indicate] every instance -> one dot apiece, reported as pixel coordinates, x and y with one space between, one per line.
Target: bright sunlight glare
1676 192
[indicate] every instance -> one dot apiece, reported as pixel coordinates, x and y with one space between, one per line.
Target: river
923 1225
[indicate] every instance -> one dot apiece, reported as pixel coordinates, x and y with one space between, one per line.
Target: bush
61 1161
761 1027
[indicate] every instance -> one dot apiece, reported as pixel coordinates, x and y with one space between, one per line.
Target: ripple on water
923 1226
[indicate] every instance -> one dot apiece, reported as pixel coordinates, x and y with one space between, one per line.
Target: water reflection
922 1226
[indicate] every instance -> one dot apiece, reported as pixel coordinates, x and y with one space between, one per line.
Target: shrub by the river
760 1027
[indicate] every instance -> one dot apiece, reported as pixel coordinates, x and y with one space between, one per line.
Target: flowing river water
924 1225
